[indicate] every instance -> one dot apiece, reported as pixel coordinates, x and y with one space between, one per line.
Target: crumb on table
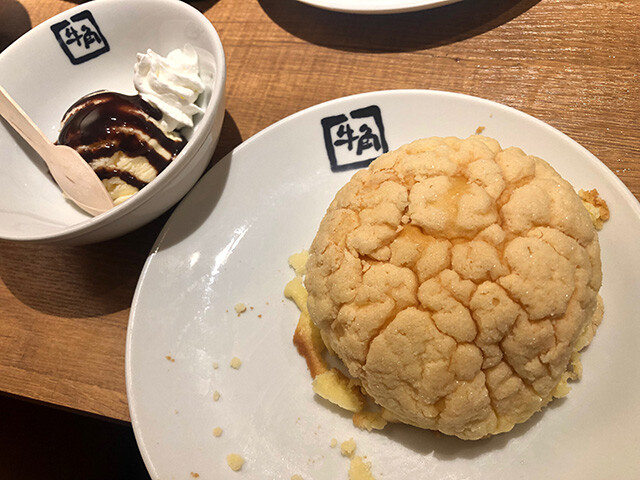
215 365
216 396
333 443
235 363
170 358
240 308
217 432
235 461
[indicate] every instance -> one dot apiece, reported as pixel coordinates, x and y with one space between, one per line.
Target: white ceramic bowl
76 53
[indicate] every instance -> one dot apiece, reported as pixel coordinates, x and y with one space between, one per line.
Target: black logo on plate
356 140
80 37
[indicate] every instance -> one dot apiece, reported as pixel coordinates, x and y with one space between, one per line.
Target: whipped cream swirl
172 84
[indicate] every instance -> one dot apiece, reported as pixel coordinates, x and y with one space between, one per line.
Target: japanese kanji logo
80 37
356 140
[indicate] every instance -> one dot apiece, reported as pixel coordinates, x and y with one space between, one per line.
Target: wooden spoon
72 173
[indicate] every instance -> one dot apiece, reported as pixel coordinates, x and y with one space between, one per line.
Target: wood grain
571 63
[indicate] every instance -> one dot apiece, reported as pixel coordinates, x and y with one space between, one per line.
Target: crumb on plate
596 206
348 447
359 469
235 461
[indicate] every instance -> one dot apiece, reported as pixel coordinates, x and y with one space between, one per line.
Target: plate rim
404 7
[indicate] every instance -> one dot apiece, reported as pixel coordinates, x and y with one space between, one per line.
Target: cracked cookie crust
456 280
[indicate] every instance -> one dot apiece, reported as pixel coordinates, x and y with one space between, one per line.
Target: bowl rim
191 148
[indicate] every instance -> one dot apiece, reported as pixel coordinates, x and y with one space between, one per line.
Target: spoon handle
21 122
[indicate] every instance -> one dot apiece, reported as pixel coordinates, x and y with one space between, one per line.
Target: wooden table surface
571 63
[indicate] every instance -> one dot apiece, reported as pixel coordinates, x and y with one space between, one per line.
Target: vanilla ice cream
120 137
129 139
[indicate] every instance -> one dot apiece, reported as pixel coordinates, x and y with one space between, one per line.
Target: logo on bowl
356 140
80 37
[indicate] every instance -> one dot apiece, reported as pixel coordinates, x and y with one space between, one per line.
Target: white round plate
377 6
228 242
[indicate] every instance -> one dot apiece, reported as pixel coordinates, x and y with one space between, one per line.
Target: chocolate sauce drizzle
95 131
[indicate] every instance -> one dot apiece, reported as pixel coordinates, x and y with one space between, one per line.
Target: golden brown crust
305 339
